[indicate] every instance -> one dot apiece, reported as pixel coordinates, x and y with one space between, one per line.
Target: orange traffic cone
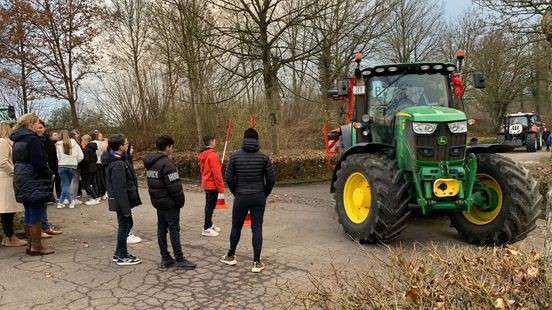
247 221
221 204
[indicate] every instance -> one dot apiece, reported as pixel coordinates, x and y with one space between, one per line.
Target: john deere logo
442 140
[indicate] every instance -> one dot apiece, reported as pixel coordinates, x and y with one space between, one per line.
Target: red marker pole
221 203
252 120
226 140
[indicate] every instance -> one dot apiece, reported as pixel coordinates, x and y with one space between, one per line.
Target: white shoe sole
229 263
257 270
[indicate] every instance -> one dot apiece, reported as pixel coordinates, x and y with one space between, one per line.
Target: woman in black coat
32 179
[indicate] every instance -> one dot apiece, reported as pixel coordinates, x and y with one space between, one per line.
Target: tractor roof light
451 68
438 67
425 67
366 73
392 69
424 128
460 54
358 56
380 70
458 127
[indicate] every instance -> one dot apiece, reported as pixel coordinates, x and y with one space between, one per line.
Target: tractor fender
360 148
489 148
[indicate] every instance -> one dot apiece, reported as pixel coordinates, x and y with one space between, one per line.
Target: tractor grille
428 149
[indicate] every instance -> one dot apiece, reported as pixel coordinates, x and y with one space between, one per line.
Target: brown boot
28 235
14 241
36 242
44 235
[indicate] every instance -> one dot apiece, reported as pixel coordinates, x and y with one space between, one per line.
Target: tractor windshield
519 120
391 93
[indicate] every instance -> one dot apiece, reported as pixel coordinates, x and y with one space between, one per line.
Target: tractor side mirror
332 94
479 80
343 87
11 111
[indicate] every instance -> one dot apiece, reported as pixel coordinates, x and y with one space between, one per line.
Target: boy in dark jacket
88 169
250 177
123 195
211 181
167 196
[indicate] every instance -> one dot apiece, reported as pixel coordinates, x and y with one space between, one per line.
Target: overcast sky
454 7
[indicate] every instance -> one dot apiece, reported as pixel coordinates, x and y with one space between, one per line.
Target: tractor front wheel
506 203
371 198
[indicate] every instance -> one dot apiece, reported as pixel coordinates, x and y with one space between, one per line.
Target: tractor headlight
458 127
365 118
424 128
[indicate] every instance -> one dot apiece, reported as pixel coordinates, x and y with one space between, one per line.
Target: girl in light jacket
69 155
8 205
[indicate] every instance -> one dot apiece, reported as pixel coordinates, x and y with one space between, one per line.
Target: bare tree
504 59
255 30
16 49
66 53
414 31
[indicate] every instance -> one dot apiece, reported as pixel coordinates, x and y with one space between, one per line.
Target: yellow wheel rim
480 217
357 197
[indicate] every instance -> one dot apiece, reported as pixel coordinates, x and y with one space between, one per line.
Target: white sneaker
76 202
72 205
133 239
99 199
60 206
215 228
104 197
210 232
91 202
65 202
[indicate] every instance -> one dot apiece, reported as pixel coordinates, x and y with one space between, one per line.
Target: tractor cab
7 113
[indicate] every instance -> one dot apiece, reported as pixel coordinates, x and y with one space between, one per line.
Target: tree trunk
270 94
74 118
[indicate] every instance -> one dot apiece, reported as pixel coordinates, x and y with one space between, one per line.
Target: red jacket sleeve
216 171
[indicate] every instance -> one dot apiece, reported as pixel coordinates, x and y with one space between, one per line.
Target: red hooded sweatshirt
211 170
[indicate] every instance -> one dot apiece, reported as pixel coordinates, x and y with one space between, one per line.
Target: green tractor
405 145
7 113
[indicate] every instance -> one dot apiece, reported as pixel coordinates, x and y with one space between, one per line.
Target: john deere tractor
405 147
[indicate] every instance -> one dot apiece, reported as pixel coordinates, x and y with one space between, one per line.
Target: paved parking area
301 236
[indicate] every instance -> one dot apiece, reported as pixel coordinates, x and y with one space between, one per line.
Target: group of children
249 174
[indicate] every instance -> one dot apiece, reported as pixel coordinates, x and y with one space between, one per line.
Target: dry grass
456 277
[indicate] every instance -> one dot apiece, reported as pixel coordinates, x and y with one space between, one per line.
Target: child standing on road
123 195
250 177
167 196
211 181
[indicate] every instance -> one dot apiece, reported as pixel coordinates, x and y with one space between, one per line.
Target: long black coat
32 178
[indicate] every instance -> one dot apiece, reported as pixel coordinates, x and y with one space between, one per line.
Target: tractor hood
432 114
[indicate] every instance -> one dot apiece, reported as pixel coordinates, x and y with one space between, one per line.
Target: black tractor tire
520 204
539 141
388 211
500 138
531 142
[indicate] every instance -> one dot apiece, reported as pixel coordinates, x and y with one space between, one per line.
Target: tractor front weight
451 184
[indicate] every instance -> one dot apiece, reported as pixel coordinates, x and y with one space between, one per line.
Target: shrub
432 277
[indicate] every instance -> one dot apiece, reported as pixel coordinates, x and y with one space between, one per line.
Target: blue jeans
44 221
33 213
125 224
66 175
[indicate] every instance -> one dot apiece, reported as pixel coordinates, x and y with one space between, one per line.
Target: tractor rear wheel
371 198
531 142
506 203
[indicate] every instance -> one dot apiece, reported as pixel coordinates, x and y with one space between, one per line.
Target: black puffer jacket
88 164
32 178
121 185
250 171
51 153
164 184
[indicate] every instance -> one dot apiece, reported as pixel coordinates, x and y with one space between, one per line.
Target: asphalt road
301 237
